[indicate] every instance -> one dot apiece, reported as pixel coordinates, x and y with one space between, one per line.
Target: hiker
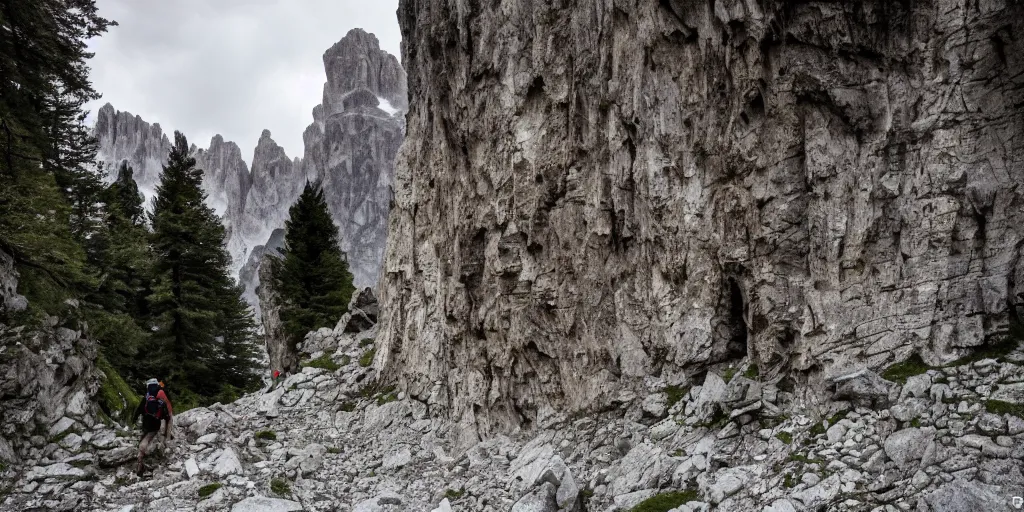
154 408
273 380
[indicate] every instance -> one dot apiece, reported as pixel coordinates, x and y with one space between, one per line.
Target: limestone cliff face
226 177
351 146
126 137
277 182
593 196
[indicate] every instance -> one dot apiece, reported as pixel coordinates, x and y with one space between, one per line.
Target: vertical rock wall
351 146
595 194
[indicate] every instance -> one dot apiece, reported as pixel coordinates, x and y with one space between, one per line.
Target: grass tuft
728 374
900 372
752 372
1001 407
675 394
666 501
788 481
785 437
280 487
453 495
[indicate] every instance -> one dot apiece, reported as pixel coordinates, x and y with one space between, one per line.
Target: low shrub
324 362
366 359
209 489
266 435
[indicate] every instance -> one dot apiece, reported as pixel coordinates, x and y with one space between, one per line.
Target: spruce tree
48 191
196 306
312 275
121 254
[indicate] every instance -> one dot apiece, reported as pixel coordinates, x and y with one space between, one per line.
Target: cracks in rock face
826 147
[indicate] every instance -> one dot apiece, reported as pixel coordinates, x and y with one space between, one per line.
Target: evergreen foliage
312 275
158 304
203 340
119 251
48 185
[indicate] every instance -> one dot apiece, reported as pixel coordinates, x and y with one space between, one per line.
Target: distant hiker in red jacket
273 380
154 408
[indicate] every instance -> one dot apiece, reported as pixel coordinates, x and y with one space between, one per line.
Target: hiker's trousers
147 439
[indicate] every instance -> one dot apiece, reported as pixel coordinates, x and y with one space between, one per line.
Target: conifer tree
48 193
312 275
120 252
197 309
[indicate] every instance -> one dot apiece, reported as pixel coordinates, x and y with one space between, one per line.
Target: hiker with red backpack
154 408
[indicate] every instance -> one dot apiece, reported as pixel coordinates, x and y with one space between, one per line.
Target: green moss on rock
116 398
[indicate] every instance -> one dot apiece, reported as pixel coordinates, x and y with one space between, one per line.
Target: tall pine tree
120 252
48 190
312 275
201 319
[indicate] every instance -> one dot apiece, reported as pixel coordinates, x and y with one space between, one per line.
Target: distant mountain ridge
350 148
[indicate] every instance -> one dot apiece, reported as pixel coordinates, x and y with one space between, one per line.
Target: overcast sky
232 67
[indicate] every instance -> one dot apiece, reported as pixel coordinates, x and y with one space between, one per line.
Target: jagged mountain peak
357 62
354 158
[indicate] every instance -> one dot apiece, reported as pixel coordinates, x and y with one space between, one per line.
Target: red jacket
163 396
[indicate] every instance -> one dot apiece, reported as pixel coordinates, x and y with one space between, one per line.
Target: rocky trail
332 438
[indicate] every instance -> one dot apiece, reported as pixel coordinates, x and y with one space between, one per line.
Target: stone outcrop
47 376
279 351
592 196
250 276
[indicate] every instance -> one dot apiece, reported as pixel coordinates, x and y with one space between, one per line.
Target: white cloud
233 67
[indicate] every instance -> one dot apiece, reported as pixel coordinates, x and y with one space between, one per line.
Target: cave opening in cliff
736 343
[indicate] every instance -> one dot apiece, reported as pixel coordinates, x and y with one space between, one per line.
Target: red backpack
155 407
